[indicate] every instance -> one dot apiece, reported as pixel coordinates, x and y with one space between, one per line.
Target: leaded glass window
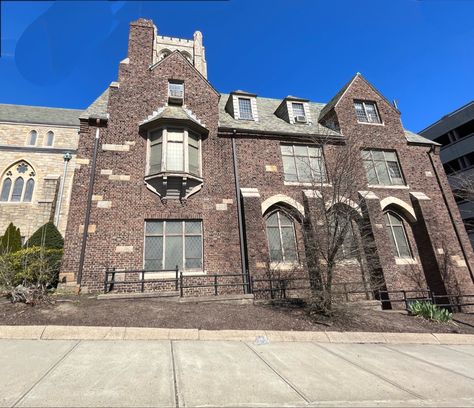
18 183
245 108
303 163
298 109
6 187
281 237
366 112
171 243
397 234
17 189
382 167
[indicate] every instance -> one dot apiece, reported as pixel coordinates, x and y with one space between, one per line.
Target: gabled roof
153 66
98 108
413 137
176 114
269 123
335 100
39 115
245 93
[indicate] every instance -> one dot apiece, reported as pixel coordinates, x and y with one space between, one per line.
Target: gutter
85 233
251 133
450 212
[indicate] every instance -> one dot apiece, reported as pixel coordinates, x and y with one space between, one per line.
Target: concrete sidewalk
144 333
165 373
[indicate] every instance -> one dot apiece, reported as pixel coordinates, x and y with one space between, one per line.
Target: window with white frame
32 138
302 163
49 141
367 112
298 109
245 108
18 184
171 243
397 234
382 167
174 150
281 237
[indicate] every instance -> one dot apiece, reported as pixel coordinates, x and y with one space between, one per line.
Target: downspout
89 205
243 255
67 157
450 213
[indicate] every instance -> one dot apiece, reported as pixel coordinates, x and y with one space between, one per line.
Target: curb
260 336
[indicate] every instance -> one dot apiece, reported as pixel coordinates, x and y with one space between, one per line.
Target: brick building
175 173
36 176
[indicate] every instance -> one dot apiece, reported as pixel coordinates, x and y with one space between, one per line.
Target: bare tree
336 230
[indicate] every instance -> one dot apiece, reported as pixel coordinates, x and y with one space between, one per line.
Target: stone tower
193 50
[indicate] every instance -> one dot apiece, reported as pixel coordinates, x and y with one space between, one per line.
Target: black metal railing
111 273
215 282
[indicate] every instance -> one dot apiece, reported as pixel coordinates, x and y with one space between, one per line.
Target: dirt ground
88 311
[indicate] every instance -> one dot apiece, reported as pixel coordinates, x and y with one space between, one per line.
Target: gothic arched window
49 139
32 137
398 236
281 237
18 183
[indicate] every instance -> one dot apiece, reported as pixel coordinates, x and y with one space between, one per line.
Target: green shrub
430 311
28 274
11 240
47 236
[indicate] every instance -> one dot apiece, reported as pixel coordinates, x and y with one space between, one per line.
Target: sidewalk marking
382 377
46 373
300 393
175 380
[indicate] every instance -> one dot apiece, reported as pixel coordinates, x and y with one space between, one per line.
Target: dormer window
175 92
367 112
298 112
245 109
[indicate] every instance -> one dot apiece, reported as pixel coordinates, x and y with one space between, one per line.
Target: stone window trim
32 138
300 158
367 113
383 168
18 184
252 107
164 151
400 243
183 234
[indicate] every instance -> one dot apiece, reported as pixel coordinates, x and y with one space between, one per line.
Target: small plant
11 240
430 311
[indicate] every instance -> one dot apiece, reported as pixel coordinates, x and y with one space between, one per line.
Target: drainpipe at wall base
450 212
243 249
85 233
67 157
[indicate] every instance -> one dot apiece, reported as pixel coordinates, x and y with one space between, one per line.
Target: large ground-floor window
171 243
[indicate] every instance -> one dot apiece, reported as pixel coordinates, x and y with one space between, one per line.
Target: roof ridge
40 107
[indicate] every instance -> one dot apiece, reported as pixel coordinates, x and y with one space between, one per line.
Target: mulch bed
86 310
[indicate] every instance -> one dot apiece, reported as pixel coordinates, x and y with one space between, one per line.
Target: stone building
33 144
174 173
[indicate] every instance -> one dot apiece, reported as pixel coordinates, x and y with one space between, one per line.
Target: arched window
164 54
397 233
6 187
187 56
32 137
49 139
17 189
18 183
30 186
281 237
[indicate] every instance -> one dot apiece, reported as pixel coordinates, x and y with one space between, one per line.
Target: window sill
371 123
285 266
171 275
297 183
393 187
406 261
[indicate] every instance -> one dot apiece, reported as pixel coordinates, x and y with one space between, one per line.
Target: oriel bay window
171 243
174 150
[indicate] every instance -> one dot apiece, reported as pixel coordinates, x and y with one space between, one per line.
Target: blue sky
419 52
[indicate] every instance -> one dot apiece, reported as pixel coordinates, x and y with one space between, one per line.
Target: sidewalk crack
288 382
25 394
175 380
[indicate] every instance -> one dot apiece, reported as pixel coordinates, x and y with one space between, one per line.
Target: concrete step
174 295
